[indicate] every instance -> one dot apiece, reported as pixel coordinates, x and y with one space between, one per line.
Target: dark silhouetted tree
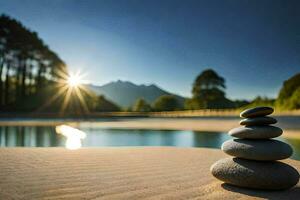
27 66
208 92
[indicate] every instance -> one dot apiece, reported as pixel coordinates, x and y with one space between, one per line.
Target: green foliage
141 106
289 95
166 103
127 109
103 105
294 101
208 92
240 103
259 101
193 104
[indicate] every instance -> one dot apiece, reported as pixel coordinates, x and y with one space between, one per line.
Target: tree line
33 77
31 74
208 92
162 103
27 66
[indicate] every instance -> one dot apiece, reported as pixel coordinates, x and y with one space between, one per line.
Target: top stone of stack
256 112
256 124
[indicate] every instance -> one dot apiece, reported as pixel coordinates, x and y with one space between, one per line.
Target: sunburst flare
71 87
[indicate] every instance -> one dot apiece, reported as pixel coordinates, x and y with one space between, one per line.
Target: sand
119 173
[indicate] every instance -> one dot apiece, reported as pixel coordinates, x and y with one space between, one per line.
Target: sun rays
75 79
70 87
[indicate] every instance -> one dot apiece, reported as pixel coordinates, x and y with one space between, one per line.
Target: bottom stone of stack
270 175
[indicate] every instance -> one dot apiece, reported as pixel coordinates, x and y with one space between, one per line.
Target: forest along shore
290 124
162 114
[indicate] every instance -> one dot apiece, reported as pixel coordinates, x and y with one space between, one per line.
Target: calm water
47 137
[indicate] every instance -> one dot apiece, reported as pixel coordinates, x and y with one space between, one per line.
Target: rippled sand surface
119 173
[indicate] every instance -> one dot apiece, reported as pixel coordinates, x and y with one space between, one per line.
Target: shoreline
163 114
209 124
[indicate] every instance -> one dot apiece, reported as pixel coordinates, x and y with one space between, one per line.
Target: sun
74 80
70 85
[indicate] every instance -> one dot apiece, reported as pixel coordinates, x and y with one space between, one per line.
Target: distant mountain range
125 93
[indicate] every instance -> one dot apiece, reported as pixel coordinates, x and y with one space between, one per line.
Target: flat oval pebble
256 132
270 175
257 149
258 121
256 112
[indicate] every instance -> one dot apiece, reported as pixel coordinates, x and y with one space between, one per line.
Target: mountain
125 93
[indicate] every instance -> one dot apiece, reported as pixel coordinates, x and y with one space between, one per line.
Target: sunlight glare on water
73 136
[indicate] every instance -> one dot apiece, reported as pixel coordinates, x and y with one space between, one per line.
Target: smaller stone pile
255 154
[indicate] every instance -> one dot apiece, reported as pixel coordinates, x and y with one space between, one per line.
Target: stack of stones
255 154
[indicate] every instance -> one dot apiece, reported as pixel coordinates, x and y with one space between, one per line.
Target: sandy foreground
120 173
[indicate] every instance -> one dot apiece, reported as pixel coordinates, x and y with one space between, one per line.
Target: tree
29 67
193 104
208 92
289 95
295 99
166 103
141 106
103 105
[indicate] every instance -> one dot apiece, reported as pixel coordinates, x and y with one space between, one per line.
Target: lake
46 136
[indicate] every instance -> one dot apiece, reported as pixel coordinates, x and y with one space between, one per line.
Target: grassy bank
185 113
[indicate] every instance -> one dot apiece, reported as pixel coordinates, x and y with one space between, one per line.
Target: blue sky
253 44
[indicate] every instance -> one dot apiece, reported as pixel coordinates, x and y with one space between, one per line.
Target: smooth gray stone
267 149
258 121
270 175
256 132
256 112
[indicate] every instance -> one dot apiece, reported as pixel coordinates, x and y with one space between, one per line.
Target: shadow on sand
293 193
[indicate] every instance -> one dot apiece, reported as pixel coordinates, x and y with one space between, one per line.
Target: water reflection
32 136
29 136
214 140
73 136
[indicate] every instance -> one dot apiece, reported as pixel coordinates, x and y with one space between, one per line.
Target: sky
253 44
